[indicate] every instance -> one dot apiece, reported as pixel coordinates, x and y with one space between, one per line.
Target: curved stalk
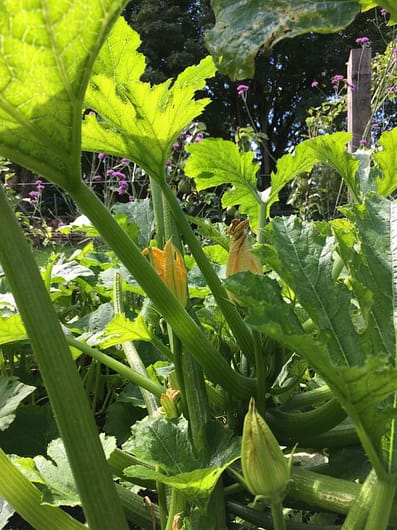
237 325
305 424
187 330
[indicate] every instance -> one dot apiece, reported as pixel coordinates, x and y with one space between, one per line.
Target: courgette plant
329 296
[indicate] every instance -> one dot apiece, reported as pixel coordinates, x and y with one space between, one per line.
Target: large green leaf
119 330
12 392
47 51
329 149
134 119
387 161
352 316
164 443
214 162
57 483
242 27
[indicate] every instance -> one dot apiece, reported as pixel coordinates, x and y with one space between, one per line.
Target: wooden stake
359 98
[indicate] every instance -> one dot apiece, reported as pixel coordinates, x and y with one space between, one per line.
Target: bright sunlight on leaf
387 161
133 119
214 162
47 49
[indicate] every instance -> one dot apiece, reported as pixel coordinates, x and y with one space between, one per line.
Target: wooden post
359 98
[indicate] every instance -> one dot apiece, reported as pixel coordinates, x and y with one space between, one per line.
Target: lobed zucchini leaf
215 162
47 50
133 119
352 314
164 443
329 149
243 27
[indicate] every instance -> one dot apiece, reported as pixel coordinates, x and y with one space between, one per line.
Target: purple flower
242 90
110 172
364 41
123 186
131 198
314 84
101 156
125 161
34 194
96 177
336 79
383 12
39 185
352 86
175 145
363 141
199 137
118 175
168 163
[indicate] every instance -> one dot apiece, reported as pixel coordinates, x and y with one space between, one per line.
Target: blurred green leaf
12 392
139 212
59 487
134 119
387 161
390 5
47 55
243 27
12 329
34 427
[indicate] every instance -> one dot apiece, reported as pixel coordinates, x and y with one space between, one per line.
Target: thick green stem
260 374
64 388
142 512
187 330
177 507
278 516
297 425
236 323
358 513
26 499
382 500
157 202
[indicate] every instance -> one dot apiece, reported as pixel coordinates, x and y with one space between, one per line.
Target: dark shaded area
279 96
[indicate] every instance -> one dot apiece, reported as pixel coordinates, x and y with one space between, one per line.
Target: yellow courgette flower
168 263
241 258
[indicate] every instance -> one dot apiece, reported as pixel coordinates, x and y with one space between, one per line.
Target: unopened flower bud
241 257
265 469
169 402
